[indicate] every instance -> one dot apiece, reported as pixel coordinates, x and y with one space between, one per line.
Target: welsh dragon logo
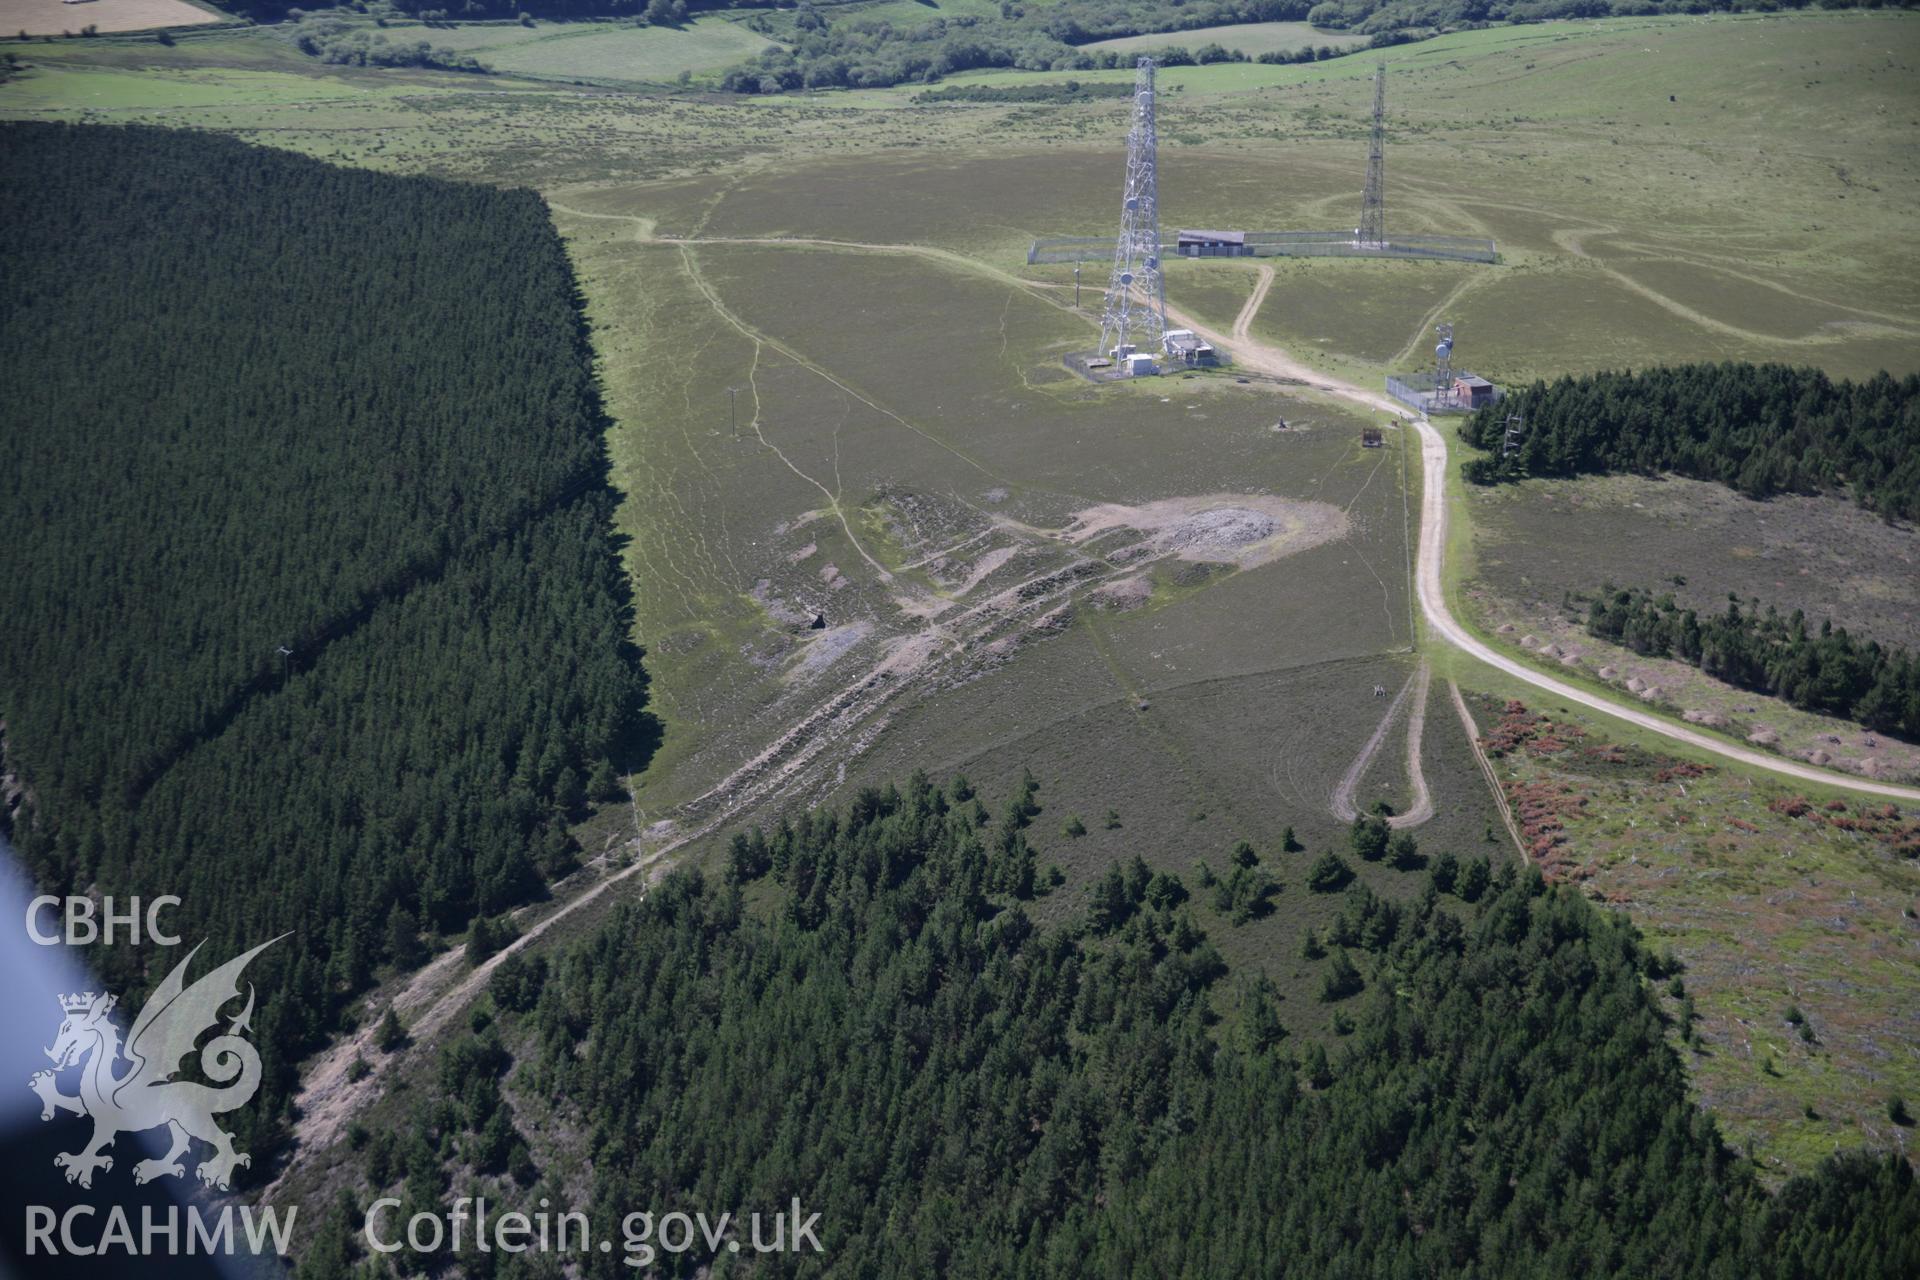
146 1096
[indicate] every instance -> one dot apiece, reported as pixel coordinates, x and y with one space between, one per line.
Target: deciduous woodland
311 609
854 1016
1760 429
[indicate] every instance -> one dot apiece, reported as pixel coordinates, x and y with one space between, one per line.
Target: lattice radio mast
1515 437
1373 203
1443 366
1136 307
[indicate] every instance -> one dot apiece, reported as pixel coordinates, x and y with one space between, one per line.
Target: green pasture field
602 51
254 49
913 13
479 37
1250 38
105 89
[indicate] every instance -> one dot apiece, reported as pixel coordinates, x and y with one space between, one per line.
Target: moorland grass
1628 170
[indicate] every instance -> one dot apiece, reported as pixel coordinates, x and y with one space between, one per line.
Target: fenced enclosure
1417 391
1282 244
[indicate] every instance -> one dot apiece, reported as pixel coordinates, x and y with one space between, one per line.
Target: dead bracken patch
1540 808
1883 822
1519 728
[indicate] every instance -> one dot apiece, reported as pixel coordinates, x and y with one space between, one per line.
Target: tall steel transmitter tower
1136 308
1373 204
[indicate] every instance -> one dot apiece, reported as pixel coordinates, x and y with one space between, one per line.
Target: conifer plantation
311 607
1759 429
1823 669
853 1016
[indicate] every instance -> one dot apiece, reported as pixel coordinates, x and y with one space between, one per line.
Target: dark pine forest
1819 669
253 402
1760 429
856 1016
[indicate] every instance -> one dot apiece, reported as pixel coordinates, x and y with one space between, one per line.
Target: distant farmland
598 50
51 17
1250 38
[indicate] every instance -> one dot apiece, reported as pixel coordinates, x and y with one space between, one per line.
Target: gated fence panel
1283 244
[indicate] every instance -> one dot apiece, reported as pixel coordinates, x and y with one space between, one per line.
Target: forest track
329 1098
798 761
433 994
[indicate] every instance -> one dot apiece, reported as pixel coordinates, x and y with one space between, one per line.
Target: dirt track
1344 805
1251 353
1433 603
1486 771
327 1099
1422 809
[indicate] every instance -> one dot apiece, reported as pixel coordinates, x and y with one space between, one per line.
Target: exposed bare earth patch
828 647
1127 593
985 567
1240 529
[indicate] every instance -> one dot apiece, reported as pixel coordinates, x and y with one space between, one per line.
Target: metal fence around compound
1420 393
1281 244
